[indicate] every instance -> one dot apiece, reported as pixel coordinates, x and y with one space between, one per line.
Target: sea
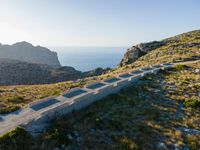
89 58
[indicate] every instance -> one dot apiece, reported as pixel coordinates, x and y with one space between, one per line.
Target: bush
128 144
192 103
9 108
179 67
16 99
17 139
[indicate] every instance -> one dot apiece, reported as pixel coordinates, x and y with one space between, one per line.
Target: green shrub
16 99
179 67
192 103
17 139
57 134
128 144
9 108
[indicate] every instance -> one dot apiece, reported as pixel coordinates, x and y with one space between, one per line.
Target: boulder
139 50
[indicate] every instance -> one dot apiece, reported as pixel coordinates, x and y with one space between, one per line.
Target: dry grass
15 97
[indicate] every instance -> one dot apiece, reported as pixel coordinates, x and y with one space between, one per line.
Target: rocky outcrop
95 72
24 51
139 50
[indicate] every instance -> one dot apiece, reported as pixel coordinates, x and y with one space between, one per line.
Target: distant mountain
15 72
24 51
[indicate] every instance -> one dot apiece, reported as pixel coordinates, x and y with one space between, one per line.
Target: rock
68 147
70 137
197 70
78 140
76 133
158 54
92 130
198 94
161 146
95 72
139 50
190 131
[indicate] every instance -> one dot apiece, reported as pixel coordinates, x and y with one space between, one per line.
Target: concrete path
35 109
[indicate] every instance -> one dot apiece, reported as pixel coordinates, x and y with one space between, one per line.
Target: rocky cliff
139 50
24 51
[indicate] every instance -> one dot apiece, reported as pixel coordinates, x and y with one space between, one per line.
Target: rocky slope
183 46
15 72
24 51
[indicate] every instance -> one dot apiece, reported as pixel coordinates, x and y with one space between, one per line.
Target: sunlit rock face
24 51
139 50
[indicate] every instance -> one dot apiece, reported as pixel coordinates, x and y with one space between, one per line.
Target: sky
95 22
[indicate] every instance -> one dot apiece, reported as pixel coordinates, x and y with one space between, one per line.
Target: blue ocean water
88 58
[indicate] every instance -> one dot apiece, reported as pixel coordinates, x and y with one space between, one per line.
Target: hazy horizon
89 58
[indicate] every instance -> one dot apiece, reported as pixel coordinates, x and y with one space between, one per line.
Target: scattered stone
62 146
161 146
158 54
68 147
92 130
76 133
198 94
78 140
190 131
70 137
197 70
56 148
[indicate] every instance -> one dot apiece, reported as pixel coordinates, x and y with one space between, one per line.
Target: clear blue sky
95 22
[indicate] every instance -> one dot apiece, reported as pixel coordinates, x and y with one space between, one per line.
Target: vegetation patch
17 139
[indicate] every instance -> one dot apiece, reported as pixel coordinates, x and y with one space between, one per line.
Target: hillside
24 51
15 72
157 112
180 47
